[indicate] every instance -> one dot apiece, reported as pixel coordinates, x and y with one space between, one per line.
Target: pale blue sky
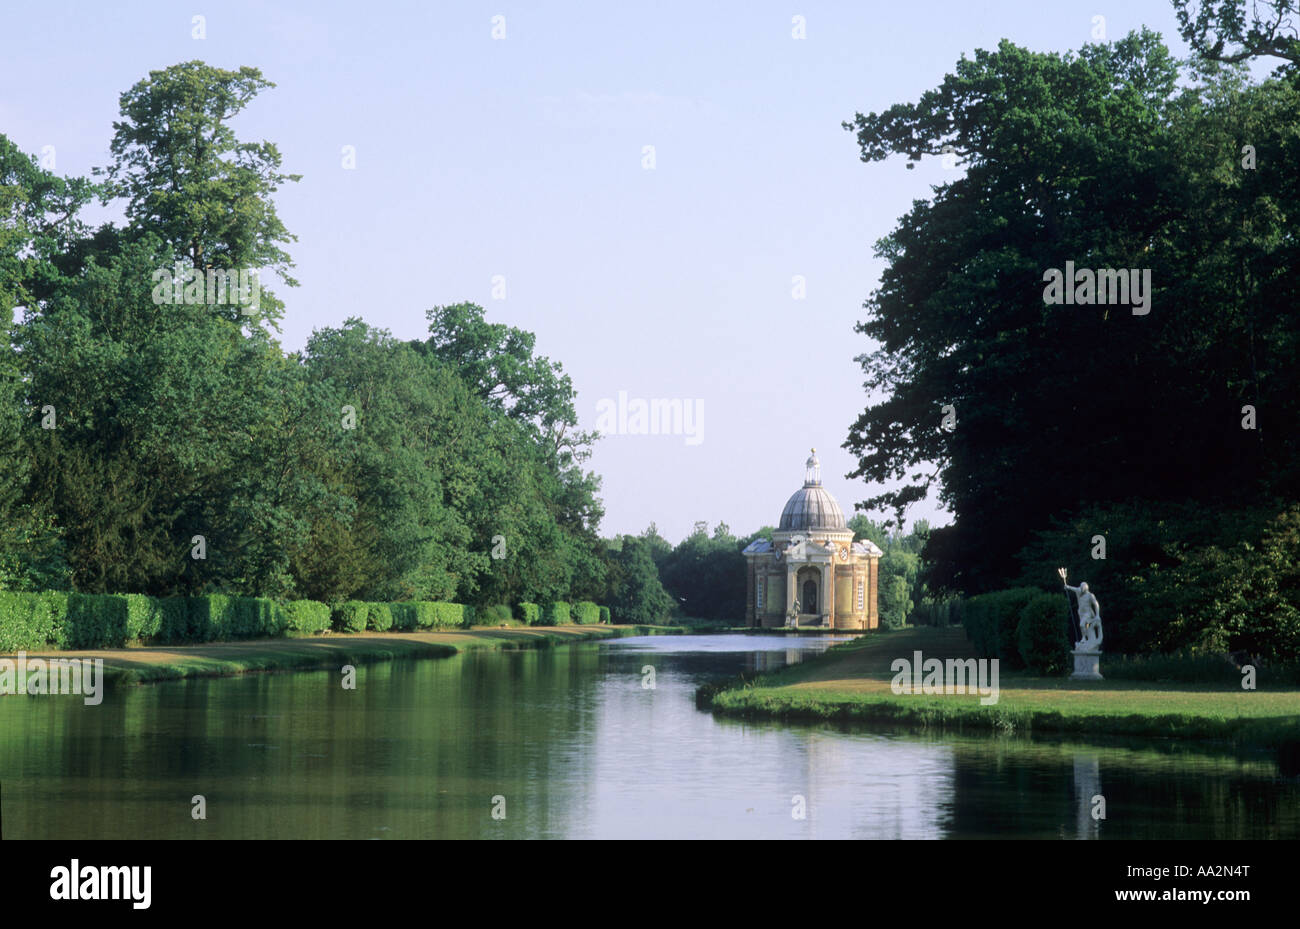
523 158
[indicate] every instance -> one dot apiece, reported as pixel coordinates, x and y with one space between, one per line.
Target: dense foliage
154 441
1021 627
1042 426
635 593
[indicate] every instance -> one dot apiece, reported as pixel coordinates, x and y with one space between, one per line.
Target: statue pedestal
1087 665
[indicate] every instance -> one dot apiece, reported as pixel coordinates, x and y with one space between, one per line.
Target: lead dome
811 507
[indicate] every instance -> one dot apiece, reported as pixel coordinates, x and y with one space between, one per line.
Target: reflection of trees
1035 789
416 751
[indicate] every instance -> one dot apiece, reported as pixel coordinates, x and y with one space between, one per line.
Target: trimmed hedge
95 621
991 620
1041 636
220 618
351 616
144 617
307 616
452 615
380 618
414 614
175 624
405 616
42 621
208 617
1022 627
260 617
426 614
530 614
77 621
32 621
557 614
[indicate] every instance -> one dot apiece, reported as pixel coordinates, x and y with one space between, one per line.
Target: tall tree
1054 405
406 442
188 179
500 364
42 235
535 398
1233 31
148 449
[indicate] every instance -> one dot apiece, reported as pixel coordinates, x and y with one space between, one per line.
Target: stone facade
812 559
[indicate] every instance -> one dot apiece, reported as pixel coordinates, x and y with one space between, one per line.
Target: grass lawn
852 681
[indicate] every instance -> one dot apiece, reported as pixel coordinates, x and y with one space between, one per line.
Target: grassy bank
159 663
851 682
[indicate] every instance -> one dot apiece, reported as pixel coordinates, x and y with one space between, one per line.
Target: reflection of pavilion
776 659
812 559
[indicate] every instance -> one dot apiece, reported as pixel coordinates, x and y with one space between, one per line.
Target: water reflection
573 743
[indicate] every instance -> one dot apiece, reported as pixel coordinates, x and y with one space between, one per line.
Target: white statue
1089 616
792 622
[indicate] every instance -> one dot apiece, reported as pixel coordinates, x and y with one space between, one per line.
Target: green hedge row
530 614
59 620
562 613
1022 627
557 613
41 621
32 621
308 617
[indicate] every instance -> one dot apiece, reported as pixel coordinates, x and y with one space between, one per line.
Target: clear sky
524 157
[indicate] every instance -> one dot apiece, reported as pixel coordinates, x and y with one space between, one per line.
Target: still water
572 742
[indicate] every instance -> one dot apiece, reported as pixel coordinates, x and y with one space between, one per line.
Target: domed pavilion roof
811 507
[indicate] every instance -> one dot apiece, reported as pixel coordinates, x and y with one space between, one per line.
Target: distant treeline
703 576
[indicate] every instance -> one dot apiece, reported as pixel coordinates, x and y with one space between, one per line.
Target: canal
596 740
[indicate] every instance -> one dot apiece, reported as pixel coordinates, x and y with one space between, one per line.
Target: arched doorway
808 602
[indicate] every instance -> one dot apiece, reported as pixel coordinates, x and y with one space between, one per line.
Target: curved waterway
574 742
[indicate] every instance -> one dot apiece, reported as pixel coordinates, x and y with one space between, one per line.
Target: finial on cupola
812 475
